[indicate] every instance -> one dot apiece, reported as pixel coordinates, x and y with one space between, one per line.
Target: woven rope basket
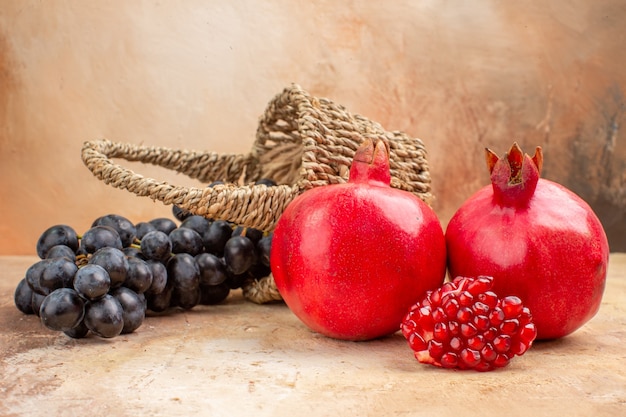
301 142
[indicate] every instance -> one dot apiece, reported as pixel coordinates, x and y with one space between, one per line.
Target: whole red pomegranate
350 259
539 241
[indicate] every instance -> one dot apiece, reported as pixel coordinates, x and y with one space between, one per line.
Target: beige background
197 74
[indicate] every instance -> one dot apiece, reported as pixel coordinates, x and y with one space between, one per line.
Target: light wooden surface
239 358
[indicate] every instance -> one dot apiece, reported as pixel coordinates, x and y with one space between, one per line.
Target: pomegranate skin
350 259
551 251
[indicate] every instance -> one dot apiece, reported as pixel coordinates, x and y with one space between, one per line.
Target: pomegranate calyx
514 176
370 163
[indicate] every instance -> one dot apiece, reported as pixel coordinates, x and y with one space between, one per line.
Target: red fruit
538 240
350 259
469 340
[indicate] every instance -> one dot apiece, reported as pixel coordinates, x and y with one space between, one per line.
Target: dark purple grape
139 277
164 224
237 281
134 309
92 282
36 302
144 227
180 213
114 261
263 248
62 309
23 297
251 233
213 294
197 223
159 277
266 181
133 252
77 332
99 237
61 251
183 270
212 269
259 270
57 235
239 254
105 316
163 300
216 237
156 245
33 274
57 273
124 227
185 240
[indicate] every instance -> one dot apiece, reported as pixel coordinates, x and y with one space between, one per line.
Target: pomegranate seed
476 342
416 342
502 343
509 327
464 325
464 315
456 344
481 323
440 332
435 349
449 360
468 330
512 306
470 357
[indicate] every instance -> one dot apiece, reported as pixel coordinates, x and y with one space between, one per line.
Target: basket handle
255 206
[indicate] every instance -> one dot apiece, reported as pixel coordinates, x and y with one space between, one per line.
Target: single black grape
186 240
77 332
92 282
263 248
156 245
36 302
105 316
23 297
114 261
213 294
216 237
99 237
159 277
124 227
143 228
237 281
197 223
161 301
251 233
56 235
57 273
134 309
258 270
266 181
180 213
183 270
61 251
139 276
62 309
239 254
164 224
212 269
134 252
33 275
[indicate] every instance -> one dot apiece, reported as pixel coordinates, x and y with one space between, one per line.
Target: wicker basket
301 142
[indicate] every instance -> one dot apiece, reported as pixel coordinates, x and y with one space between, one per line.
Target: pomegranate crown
370 163
514 177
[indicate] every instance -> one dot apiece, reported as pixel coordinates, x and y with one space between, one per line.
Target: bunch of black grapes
105 281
